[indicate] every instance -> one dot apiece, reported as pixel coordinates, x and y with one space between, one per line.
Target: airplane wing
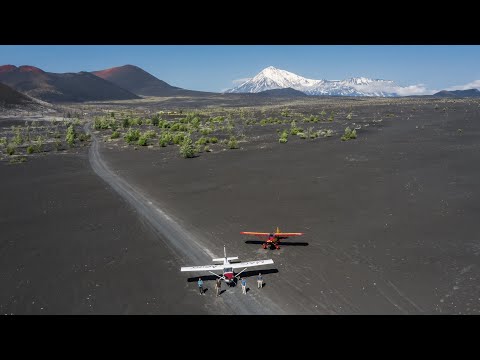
254 233
251 263
202 268
288 234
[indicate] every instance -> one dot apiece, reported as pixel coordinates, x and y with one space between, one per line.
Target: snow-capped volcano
272 78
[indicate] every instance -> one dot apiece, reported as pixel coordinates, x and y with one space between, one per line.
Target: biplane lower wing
254 233
282 234
277 234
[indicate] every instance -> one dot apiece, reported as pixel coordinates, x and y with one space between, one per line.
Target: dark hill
10 97
140 82
458 93
287 92
68 87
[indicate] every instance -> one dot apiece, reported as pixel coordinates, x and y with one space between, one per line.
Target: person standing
200 285
259 281
218 286
244 286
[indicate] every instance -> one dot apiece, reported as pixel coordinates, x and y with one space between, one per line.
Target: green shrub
206 148
142 140
178 138
18 139
126 122
84 137
349 116
11 149
132 135
232 143
283 137
156 120
349 134
175 126
115 135
187 149
30 149
294 130
213 140
302 135
202 141
331 117
329 133
104 122
311 133
39 144
71 135
311 118
162 142
167 138
150 134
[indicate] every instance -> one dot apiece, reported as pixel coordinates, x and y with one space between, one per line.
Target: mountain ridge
272 78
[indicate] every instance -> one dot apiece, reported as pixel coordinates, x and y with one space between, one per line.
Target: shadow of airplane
287 243
245 274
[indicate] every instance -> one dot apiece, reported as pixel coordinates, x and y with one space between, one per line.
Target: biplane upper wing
285 234
255 233
251 263
202 268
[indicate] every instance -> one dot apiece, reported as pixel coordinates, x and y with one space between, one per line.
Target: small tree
70 138
187 149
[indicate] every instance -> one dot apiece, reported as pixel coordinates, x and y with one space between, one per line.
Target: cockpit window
228 269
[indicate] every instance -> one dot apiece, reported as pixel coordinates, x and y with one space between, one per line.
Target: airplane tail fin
224 251
278 229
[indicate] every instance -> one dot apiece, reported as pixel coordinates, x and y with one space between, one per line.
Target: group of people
218 285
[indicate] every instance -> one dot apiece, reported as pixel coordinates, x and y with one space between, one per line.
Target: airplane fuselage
228 273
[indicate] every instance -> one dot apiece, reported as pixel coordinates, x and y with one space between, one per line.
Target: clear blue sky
213 68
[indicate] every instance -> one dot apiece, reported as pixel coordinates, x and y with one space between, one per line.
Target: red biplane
273 239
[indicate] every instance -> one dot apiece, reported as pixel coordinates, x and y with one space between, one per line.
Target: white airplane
227 267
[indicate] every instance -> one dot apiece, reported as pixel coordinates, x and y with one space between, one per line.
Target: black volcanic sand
390 219
70 245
